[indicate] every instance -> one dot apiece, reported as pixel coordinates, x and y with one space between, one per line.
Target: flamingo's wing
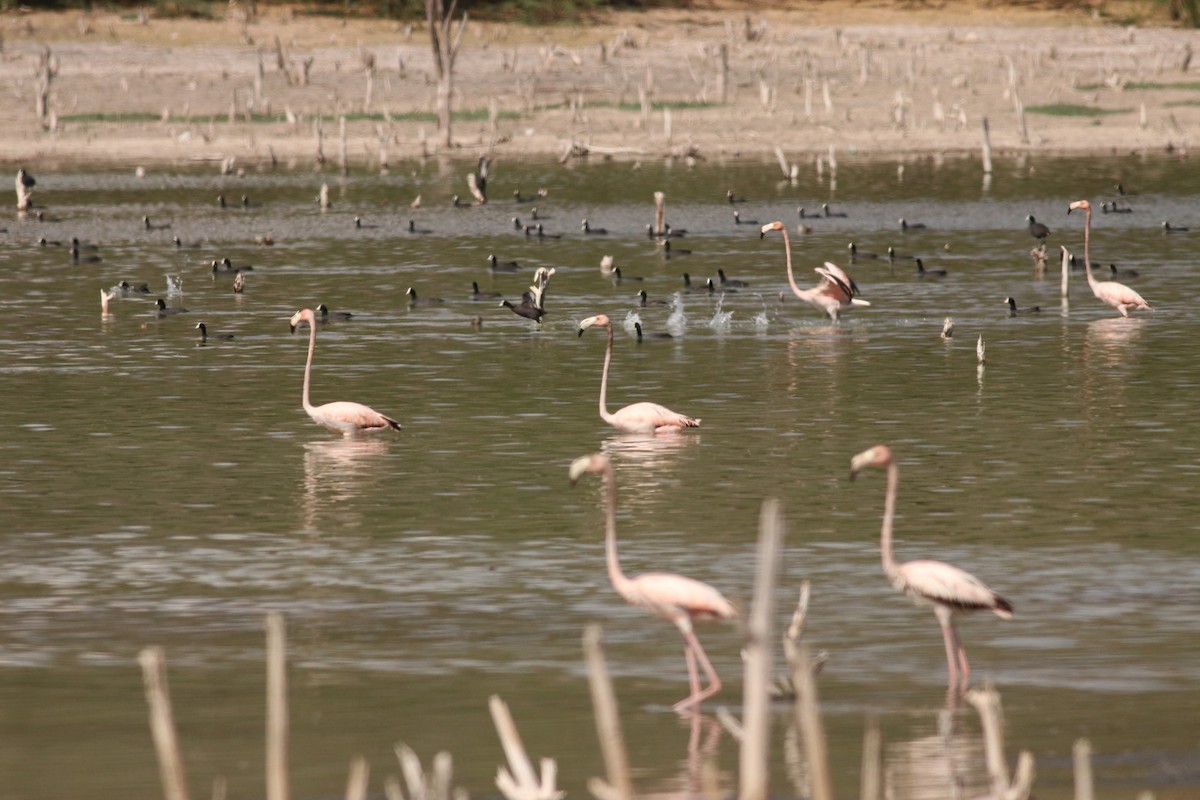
943 583
842 277
354 417
667 594
833 286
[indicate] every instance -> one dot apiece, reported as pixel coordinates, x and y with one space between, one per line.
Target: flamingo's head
303 315
771 226
878 456
596 462
599 320
1081 204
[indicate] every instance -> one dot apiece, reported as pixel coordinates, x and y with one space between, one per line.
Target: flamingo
676 598
833 294
1116 295
639 417
341 416
947 588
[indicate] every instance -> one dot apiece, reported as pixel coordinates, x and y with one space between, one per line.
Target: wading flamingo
947 588
638 417
341 416
678 599
1116 295
836 291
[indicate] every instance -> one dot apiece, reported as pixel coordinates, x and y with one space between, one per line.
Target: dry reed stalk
277 709
723 73
619 785
1081 754
812 730
991 717
756 737
519 782
872 761
162 724
356 783
660 213
343 155
987 149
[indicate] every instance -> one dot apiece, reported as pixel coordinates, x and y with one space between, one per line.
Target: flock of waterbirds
676 598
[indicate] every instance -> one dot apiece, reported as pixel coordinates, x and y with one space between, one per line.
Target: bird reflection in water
643 457
336 472
947 764
698 775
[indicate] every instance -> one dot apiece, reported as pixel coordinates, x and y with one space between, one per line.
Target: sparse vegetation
1071 110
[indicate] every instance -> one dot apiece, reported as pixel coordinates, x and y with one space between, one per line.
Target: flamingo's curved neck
889 513
787 250
1087 252
312 345
604 415
615 575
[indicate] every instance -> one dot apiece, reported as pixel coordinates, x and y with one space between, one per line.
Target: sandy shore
874 80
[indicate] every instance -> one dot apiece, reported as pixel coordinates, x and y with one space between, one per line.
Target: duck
1169 228
644 300
711 288
502 266
688 287
618 276
44 242
225 267
541 233
205 336
731 283
861 255
325 315
587 228
1014 311
668 251
526 308
905 225
893 256
825 210
929 273
412 228
151 226
126 288
180 244
733 198
1122 273
737 219
358 223
413 300
637 326
1036 229
477 294
161 308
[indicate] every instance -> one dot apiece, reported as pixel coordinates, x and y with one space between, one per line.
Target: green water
159 492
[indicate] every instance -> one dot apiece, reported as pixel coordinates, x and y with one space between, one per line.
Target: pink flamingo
836 291
1116 295
678 599
637 417
340 417
947 588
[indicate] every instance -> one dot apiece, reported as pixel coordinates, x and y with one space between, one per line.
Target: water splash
631 319
677 322
174 286
720 319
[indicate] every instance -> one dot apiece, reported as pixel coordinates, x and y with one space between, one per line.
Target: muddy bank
865 80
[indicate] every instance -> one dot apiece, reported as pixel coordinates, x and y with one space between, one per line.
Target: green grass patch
469 115
1071 110
1191 86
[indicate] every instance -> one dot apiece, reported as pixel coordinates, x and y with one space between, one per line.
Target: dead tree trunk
445 50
